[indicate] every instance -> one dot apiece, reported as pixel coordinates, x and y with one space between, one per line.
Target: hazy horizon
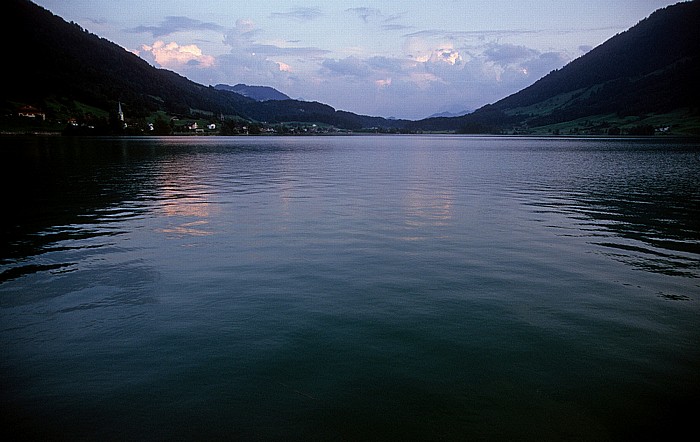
404 59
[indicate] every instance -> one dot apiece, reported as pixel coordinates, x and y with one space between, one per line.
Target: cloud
377 69
499 34
254 60
434 70
172 55
173 24
492 34
300 14
394 17
423 50
543 64
391 64
438 71
273 50
242 39
365 13
396 27
383 72
284 67
508 53
238 67
241 35
350 66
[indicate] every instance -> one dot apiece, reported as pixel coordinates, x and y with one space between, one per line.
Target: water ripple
281 285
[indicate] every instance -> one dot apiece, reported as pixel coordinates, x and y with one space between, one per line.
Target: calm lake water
349 288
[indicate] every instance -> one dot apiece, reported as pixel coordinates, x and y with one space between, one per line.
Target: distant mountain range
640 80
450 114
257 93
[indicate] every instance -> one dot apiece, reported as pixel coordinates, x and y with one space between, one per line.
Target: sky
403 59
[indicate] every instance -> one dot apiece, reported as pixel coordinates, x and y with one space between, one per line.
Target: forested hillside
640 81
652 68
62 68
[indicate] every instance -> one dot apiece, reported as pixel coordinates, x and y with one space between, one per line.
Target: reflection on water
62 191
640 203
349 288
183 197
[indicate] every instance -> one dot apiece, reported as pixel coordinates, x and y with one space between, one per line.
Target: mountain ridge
64 68
649 68
257 93
643 77
447 114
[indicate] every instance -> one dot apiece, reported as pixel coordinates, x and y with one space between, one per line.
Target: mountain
257 93
639 80
643 77
55 60
68 72
449 114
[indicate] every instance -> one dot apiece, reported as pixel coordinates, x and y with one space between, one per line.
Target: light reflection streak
182 197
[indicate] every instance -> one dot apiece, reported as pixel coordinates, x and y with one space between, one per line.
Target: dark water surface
349 288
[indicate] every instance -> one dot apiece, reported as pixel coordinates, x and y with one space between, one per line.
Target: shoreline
52 134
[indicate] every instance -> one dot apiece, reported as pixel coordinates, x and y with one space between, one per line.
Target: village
28 119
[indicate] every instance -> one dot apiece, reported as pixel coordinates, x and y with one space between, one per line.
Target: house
31 112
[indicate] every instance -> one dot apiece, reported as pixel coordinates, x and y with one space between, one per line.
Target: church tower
120 114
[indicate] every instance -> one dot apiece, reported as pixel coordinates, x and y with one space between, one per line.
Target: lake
349 288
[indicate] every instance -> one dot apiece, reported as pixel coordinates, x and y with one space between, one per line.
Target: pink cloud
173 55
